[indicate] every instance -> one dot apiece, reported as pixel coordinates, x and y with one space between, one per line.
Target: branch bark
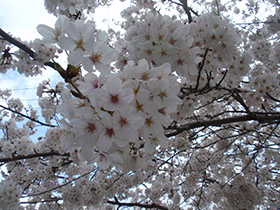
260 117
36 155
10 39
27 117
23 47
95 170
187 10
64 74
146 206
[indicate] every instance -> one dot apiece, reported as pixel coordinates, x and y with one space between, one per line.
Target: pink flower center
114 98
162 111
95 84
180 62
110 132
95 58
123 121
149 121
91 127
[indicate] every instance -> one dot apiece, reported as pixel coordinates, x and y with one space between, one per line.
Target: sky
20 18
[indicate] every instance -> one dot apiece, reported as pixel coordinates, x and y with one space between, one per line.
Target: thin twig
218 8
187 10
27 117
23 47
62 185
42 201
36 155
260 117
201 65
10 39
146 206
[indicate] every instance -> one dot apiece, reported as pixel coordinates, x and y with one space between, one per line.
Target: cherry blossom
175 106
114 95
53 35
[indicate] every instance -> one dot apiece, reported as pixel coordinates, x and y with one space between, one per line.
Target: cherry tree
176 106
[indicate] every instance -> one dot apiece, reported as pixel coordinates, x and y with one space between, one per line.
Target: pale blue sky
20 18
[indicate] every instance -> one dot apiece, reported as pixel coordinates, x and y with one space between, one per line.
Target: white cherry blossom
175 106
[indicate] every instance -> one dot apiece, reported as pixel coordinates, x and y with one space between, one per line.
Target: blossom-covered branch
173 111
27 117
261 118
12 40
145 206
23 47
30 156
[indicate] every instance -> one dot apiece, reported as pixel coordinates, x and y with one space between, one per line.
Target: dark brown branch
218 8
187 10
200 66
238 98
146 206
78 93
261 118
194 12
27 117
64 74
181 5
95 170
36 155
23 47
42 201
272 98
10 39
174 155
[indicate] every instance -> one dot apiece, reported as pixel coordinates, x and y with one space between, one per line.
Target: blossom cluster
9 195
88 47
6 57
71 7
170 113
160 39
218 41
242 194
123 113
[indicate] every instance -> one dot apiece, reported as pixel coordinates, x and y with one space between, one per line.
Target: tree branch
30 118
238 98
272 98
36 155
146 206
42 201
66 183
194 12
10 39
218 8
186 8
260 117
200 66
23 47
